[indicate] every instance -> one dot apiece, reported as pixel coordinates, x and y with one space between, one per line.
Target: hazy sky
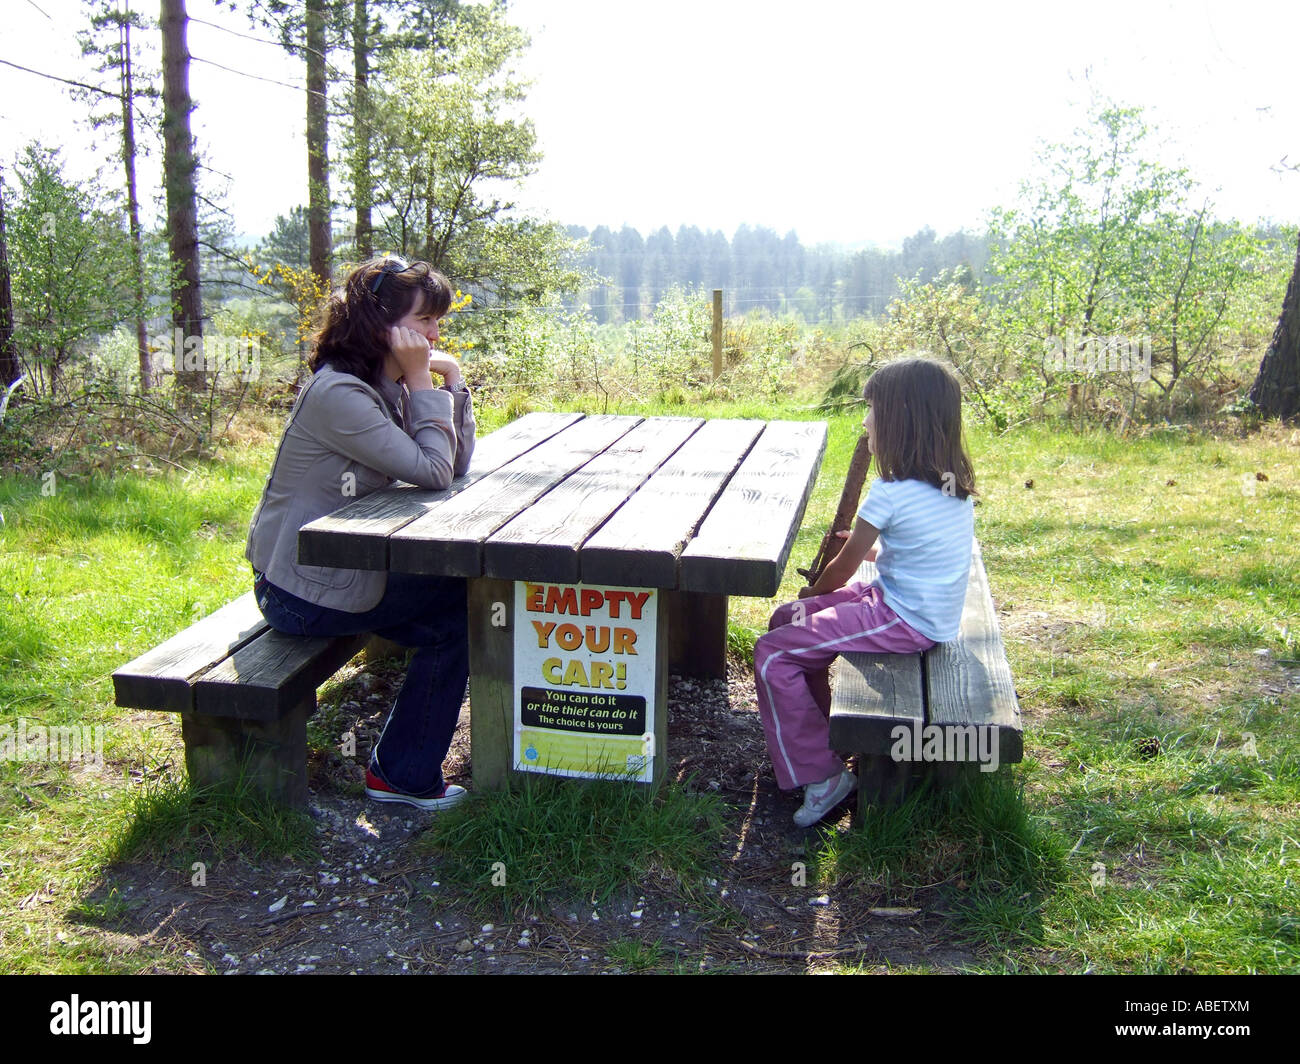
850 121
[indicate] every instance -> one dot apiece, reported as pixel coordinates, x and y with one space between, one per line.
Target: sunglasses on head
392 266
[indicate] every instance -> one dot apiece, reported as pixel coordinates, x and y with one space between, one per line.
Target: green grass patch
973 845
634 956
171 820
740 642
547 838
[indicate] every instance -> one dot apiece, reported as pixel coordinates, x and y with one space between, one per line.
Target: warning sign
585 680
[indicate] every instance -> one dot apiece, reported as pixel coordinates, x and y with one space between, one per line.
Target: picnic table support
491 694
697 633
381 649
491 681
884 781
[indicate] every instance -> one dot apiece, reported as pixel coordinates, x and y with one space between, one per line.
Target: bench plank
264 679
161 678
642 543
968 680
744 542
449 538
874 694
356 537
543 542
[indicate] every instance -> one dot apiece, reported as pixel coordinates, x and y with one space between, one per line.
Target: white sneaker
820 798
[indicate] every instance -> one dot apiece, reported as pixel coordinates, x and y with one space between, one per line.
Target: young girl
920 509
382 405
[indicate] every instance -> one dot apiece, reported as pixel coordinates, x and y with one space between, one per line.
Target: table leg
663 631
491 683
697 633
882 781
491 680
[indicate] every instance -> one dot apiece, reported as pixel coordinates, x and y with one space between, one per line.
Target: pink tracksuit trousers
791 672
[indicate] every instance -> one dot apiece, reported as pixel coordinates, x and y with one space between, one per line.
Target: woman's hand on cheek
411 350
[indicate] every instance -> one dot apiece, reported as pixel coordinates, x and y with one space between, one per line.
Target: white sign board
585 680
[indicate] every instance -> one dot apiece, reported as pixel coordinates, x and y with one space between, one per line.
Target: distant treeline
757 268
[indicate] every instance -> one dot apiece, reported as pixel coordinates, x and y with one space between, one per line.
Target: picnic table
691 510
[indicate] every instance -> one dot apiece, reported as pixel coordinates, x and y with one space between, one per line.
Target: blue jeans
429 613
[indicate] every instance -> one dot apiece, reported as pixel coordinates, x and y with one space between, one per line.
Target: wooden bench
244 693
957 701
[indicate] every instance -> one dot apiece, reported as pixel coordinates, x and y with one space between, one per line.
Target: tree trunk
9 368
133 205
1276 390
318 188
428 215
179 166
361 188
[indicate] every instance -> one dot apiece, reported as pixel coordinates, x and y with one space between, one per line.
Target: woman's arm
839 571
350 420
462 417
466 429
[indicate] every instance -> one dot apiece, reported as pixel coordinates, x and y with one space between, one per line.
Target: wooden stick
850 498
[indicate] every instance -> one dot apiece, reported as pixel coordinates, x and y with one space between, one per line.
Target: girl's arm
421 457
841 568
414 358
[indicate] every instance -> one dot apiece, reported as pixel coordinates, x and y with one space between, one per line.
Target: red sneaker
380 791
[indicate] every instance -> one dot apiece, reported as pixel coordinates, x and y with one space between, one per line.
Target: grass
169 820
1148 589
971 849
1150 573
547 839
634 956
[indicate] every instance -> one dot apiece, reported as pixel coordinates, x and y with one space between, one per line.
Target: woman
381 405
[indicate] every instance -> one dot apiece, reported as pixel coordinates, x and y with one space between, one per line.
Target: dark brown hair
917 404
354 322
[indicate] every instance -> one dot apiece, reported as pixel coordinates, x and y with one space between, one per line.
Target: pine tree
109 39
179 166
9 368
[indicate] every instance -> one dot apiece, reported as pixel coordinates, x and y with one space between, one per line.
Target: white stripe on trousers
771 701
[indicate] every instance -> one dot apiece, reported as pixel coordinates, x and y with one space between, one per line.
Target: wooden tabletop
668 502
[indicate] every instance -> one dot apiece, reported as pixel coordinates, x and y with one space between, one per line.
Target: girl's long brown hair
354 322
917 404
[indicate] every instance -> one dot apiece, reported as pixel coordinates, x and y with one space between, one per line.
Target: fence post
717 333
